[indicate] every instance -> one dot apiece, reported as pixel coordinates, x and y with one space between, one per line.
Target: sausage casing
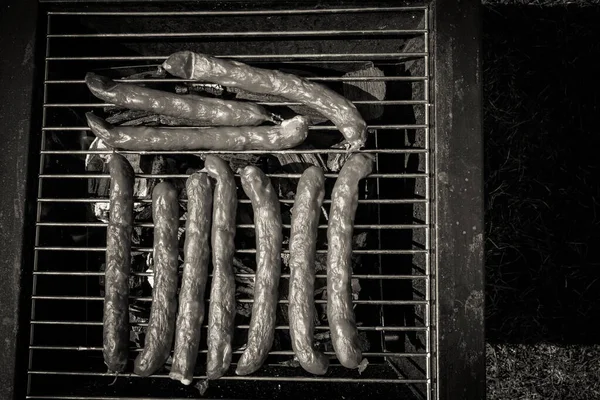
161 326
221 310
118 264
269 237
303 242
207 110
340 314
196 252
290 133
336 108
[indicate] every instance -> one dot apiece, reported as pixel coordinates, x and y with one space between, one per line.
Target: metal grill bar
308 78
428 241
311 127
207 35
323 11
240 201
317 301
278 327
238 251
240 226
294 151
240 275
241 378
262 103
274 353
185 176
260 57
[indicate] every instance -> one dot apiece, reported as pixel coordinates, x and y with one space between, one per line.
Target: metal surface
397 306
459 193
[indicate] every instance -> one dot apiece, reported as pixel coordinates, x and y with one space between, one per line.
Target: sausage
303 242
221 310
289 134
269 237
340 314
161 326
195 273
118 263
207 110
339 110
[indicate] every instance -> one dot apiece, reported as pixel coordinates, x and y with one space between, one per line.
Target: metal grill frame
457 220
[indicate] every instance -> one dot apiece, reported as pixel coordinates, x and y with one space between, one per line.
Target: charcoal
101 187
363 365
136 335
175 121
367 90
244 286
202 386
323 341
335 161
205 88
297 163
146 121
121 115
293 363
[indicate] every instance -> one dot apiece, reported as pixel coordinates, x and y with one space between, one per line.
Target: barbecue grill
421 301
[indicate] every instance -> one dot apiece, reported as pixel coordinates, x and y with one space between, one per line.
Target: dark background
541 77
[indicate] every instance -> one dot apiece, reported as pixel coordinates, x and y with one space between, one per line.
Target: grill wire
65 359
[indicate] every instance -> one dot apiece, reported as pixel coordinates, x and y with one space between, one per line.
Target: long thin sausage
161 326
267 220
196 252
221 310
303 242
207 110
340 314
118 263
289 134
333 106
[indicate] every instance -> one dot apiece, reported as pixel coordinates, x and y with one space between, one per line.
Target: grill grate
394 306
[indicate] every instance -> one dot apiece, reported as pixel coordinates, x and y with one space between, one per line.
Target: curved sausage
333 106
340 314
303 242
269 237
289 134
196 252
118 263
207 110
221 310
161 326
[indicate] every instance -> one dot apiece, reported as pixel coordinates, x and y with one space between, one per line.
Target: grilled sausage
303 241
333 106
267 220
289 134
344 201
118 263
195 273
161 326
221 310
207 110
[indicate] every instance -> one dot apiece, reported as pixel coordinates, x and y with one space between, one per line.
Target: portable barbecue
413 70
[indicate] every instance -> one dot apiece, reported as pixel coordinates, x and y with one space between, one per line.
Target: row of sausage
210 230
